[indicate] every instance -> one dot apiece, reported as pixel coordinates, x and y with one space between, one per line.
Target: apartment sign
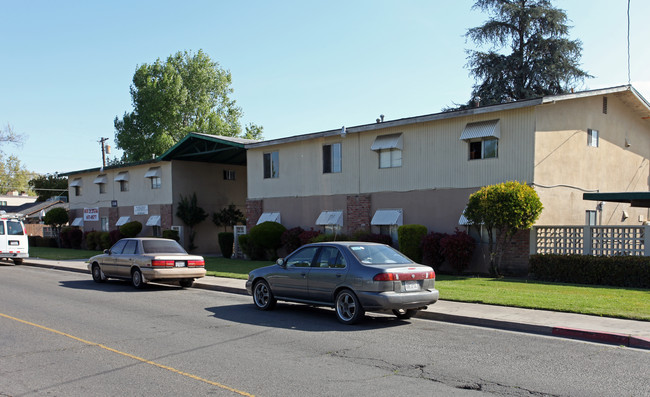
91 214
140 210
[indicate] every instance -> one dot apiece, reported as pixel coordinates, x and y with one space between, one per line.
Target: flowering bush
431 250
458 249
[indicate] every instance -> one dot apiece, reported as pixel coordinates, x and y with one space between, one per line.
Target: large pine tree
530 54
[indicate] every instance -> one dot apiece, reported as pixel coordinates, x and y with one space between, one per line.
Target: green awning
635 199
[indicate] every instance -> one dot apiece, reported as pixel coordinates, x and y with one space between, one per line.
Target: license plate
411 286
179 263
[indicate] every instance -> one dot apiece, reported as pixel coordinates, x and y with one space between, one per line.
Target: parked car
351 277
14 244
145 259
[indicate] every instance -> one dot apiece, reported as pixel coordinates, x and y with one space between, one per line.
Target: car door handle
339 275
303 275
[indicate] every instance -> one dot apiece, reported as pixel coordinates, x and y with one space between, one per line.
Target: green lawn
583 299
60 253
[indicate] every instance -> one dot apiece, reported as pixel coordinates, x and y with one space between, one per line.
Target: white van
13 239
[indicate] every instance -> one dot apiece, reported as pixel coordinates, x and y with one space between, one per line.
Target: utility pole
101 141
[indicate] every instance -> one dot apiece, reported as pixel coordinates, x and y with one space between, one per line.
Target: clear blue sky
297 66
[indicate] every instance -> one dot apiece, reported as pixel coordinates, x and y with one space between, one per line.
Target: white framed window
271 165
592 138
229 175
332 158
104 222
102 188
484 148
156 182
123 179
390 158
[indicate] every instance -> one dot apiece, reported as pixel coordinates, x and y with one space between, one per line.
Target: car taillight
159 262
405 276
195 263
384 277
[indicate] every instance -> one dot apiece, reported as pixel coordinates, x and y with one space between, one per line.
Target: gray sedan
352 277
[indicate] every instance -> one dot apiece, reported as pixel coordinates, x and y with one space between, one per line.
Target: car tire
186 282
263 296
348 308
404 314
136 279
18 262
96 271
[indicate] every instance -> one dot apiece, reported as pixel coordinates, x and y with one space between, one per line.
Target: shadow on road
115 286
301 318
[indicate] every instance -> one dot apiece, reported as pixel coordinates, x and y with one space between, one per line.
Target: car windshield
378 255
162 247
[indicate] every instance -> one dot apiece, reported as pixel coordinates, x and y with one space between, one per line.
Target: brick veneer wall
358 213
516 254
254 209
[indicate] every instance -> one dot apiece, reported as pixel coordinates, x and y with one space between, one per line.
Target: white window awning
154 220
269 217
77 222
481 129
101 179
122 220
76 182
392 141
122 176
463 221
330 218
387 217
154 172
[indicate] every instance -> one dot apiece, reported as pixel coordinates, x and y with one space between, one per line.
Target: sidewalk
577 326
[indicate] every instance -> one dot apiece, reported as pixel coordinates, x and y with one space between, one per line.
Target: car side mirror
106 251
280 262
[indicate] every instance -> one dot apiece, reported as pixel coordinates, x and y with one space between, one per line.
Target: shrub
226 239
291 239
171 234
267 237
76 237
92 240
113 237
307 236
36 241
106 240
364 235
320 238
458 249
244 244
65 237
409 238
131 229
431 249
618 271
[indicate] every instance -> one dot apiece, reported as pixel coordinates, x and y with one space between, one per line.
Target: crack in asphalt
421 371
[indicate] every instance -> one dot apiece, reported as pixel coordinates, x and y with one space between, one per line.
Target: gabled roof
209 149
626 93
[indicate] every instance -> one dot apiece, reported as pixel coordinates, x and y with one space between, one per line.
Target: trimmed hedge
131 229
409 238
226 240
458 249
618 271
264 240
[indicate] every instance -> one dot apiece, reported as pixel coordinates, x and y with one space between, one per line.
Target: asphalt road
64 335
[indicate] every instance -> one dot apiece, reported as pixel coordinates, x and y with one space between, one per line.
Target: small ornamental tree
191 215
503 209
228 217
56 218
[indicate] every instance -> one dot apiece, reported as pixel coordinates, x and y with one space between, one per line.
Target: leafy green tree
531 55
48 186
228 217
503 210
186 93
56 218
13 175
191 215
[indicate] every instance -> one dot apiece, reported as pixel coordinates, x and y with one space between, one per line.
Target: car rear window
162 247
378 255
15 228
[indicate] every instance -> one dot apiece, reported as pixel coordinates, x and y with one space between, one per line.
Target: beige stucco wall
213 194
562 157
433 157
